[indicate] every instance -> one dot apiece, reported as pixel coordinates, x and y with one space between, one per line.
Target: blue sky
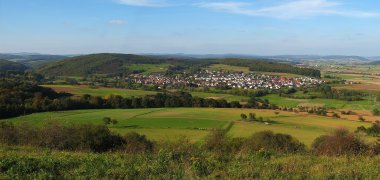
260 27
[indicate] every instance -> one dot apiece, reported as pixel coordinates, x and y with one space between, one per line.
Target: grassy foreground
195 123
24 162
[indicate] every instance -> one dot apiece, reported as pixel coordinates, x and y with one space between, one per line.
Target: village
207 78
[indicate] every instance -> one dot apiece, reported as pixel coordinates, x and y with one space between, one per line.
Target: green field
329 103
101 91
195 123
229 68
227 97
148 68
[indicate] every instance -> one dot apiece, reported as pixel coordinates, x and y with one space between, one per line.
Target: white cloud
118 22
288 10
144 3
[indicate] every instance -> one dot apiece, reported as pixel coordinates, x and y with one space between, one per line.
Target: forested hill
107 63
11 66
374 63
100 64
270 66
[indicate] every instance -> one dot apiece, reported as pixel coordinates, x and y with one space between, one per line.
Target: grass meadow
195 123
102 91
328 103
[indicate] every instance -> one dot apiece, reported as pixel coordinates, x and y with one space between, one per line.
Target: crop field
367 75
148 68
227 97
196 123
100 91
229 68
366 104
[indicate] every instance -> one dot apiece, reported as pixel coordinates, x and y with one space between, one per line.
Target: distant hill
332 58
374 63
11 66
105 63
31 59
271 66
374 58
108 63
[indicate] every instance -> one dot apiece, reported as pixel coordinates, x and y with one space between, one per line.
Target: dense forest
117 64
270 66
104 64
11 66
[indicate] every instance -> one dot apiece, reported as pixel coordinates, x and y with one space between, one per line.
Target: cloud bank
118 22
144 3
287 10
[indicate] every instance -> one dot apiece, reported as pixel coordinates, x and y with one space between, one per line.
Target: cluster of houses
207 78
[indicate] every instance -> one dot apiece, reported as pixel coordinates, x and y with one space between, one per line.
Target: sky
251 27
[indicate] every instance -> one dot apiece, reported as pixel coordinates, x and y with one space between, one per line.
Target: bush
340 142
252 116
57 136
135 143
9 134
375 112
243 116
269 141
107 120
219 142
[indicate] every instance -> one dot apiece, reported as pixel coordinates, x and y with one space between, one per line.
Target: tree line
22 97
270 66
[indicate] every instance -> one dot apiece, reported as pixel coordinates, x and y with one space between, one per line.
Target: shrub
57 136
268 141
243 116
114 121
375 112
340 142
9 134
252 116
215 140
135 143
375 148
218 141
372 131
107 120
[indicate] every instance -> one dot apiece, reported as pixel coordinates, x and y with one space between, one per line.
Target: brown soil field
360 87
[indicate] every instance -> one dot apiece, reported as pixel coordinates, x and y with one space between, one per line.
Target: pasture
99 91
196 123
148 68
367 104
102 91
228 68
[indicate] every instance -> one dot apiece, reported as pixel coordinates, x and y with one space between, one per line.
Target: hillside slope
11 66
99 64
107 63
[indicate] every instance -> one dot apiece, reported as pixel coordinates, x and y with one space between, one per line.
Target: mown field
367 75
195 123
102 91
99 91
229 68
148 68
367 104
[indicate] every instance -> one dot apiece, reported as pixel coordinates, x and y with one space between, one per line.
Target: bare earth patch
361 87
